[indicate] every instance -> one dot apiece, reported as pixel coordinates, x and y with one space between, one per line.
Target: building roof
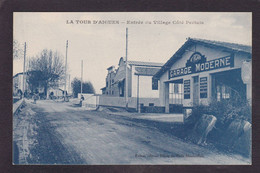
111 67
232 46
141 63
144 71
211 43
103 88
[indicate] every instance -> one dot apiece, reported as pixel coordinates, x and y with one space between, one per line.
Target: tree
17 50
46 70
87 87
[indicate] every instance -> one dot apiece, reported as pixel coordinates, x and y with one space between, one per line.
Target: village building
18 84
139 83
29 89
202 71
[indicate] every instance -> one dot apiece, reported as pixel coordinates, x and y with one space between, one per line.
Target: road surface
60 133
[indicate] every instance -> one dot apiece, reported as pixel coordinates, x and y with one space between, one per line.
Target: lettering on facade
197 63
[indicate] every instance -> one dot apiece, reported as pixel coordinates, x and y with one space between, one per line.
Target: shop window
228 85
187 89
203 87
223 92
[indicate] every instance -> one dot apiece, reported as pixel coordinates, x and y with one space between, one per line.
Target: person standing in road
81 100
35 98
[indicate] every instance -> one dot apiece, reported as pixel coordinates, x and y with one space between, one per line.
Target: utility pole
65 87
126 71
81 76
24 69
137 106
69 84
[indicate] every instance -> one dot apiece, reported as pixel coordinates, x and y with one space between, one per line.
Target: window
151 104
203 87
176 88
154 84
187 89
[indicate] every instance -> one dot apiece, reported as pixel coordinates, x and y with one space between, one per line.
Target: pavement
173 118
61 133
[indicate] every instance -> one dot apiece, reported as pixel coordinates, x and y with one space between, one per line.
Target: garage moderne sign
197 63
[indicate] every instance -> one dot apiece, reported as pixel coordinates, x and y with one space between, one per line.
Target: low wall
116 101
90 100
132 101
17 105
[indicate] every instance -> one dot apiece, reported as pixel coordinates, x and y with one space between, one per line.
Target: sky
152 36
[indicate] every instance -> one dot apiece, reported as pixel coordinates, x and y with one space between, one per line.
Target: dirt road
59 133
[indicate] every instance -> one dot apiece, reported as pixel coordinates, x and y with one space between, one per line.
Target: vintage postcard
132 88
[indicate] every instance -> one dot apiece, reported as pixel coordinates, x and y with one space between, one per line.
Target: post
65 87
166 97
69 84
24 69
137 106
81 76
126 71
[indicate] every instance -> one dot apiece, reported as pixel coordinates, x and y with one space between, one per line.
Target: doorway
195 90
176 96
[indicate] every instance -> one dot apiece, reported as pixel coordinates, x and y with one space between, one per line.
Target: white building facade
139 84
202 71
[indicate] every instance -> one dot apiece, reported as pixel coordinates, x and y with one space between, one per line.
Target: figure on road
35 97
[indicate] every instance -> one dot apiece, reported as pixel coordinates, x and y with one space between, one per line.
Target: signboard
197 63
246 71
186 89
203 87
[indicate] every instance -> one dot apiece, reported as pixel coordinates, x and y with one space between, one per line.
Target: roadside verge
17 105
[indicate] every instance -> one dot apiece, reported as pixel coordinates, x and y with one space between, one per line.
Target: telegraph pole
137 106
69 84
24 69
126 71
81 76
65 87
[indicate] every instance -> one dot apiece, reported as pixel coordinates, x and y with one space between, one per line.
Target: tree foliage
46 70
87 87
